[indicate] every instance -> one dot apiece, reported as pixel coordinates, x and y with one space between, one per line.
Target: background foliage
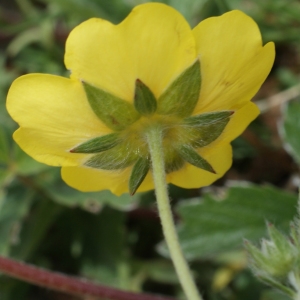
117 240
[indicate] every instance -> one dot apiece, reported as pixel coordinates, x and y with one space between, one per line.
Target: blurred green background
117 241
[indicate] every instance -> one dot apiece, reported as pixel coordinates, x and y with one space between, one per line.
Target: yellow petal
233 62
54 116
189 176
153 44
239 122
89 180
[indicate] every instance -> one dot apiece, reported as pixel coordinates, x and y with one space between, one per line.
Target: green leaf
182 95
14 207
160 271
144 100
211 227
190 9
114 112
4 147
271 294
13 289
223 6
98 144
107 250
290 128
191 156
112 10
6 176
44 214
23 39
100 240
138 174
101 273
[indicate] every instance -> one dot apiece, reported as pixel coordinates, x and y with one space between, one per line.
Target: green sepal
280 241
114 112
173 161
256 256
182 95
201 136
98 144
144 100
116 158
138 174
194 158
208 118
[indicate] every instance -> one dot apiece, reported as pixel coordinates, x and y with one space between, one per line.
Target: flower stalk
154 140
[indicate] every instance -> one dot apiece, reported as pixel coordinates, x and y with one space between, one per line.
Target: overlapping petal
153 44
54 116
234 64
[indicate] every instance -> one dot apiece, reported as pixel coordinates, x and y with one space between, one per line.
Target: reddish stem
70 285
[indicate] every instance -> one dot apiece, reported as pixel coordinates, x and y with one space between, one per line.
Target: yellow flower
143 56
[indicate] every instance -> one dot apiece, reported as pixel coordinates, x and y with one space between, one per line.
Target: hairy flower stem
67 284
154 139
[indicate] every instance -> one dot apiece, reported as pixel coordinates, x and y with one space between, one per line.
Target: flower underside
182 133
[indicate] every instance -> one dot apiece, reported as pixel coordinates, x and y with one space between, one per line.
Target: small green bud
281 242
98 144
182 95
138 174
144 100
115 113
254 253
193 157
276 259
